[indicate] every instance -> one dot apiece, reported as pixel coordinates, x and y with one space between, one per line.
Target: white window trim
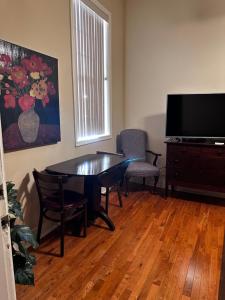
74 72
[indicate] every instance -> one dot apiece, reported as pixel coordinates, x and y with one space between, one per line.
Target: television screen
196 115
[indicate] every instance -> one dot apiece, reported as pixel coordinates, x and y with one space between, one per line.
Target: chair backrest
118 144
133 143
110 153
113 176
50 189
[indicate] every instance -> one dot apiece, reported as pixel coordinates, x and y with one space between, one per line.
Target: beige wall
44 26
170 47
175 46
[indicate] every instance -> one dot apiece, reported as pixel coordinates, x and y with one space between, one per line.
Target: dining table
90 166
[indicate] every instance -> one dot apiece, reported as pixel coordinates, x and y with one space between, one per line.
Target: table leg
102 214
93 194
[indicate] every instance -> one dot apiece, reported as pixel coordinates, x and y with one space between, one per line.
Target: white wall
44 26
175 46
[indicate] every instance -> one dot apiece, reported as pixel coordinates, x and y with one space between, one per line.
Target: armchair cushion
142 169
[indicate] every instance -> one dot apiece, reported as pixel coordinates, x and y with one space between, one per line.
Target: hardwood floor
161 249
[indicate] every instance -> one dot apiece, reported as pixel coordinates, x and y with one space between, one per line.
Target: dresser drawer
181 151
182 157
180 174
182 162
217 154
214 163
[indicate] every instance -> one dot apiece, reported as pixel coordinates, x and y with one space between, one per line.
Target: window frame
74 72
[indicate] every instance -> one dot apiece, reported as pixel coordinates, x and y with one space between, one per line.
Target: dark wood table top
87 165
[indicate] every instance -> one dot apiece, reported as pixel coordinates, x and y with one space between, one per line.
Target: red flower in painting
19 76
10 101
14 92
6 59
25 82
33 64
26 102
45 70
51 88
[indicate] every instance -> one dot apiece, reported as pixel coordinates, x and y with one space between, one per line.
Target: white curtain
90 106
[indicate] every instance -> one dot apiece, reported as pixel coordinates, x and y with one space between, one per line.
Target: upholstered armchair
132 143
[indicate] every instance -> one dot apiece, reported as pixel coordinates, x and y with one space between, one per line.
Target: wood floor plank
161 249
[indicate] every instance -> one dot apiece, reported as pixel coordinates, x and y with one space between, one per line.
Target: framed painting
29 98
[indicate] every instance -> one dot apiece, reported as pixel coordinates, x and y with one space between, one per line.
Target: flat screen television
196 116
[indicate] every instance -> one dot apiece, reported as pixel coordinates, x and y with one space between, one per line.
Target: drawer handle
176 160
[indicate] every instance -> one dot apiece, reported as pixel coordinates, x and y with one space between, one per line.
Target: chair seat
141 168
71 200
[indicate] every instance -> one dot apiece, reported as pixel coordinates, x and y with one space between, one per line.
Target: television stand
195 140
207 141
193 165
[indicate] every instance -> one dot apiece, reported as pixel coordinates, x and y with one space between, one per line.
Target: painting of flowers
29 98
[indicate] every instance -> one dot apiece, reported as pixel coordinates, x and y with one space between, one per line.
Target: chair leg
122 180
107 201
40 226
119 196
126 186
85 220
172 189
62 236
144 182
156 179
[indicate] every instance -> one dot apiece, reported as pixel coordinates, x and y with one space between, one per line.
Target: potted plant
21 238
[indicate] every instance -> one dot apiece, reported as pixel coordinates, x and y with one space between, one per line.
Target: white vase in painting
28 123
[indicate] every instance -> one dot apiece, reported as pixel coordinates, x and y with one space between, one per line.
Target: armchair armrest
157 155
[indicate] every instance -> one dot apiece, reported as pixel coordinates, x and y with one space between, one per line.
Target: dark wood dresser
200 166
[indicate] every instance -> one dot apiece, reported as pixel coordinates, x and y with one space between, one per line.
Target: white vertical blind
92 46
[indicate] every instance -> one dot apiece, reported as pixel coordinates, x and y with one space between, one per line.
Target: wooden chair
53 198
112 179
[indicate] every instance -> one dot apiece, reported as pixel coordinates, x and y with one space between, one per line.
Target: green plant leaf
23 233
19 260
23 250
15 210
12 196
14 206
9 186
15 246
24 276
23 261
32 259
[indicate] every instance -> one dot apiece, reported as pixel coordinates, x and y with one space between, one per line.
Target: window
91 64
